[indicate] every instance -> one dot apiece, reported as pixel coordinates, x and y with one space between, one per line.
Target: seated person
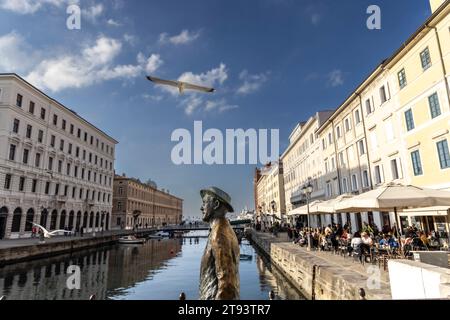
366 242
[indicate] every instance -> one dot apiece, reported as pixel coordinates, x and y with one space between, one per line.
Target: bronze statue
219 271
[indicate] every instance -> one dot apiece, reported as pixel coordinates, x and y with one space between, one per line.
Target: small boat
246 257
131 240
163 234
154 236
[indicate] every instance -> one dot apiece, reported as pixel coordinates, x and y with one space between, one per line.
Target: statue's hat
222 195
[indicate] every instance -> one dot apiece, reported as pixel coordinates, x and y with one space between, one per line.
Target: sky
273 63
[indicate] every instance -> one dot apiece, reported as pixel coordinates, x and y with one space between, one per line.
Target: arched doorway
97 219
91 220
85 220
53 219
62 220
71 217
3 221
17 218
78 223
107 221
29 220
102 221
44 217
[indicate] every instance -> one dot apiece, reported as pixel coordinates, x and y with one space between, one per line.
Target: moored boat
131 240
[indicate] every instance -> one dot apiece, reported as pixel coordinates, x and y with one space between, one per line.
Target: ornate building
56 169
143 205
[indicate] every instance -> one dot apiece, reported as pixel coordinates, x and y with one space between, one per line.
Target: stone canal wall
53 247
319 275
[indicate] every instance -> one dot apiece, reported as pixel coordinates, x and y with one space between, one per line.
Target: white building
56 169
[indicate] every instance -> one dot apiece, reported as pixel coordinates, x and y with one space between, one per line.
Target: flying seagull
180 85
48 234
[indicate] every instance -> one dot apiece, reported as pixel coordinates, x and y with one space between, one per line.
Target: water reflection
155 270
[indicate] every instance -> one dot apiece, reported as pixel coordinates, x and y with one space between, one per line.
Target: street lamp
307 190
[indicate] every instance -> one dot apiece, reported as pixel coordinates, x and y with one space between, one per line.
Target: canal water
156 270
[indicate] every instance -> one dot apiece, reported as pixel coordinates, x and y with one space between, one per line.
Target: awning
300 211
328 206
430 211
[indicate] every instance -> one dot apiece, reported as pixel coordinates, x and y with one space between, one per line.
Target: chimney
435 4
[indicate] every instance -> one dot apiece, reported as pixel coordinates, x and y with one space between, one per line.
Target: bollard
182 296
93 297
362 294
271 295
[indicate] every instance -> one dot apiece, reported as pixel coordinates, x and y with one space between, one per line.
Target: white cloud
336 78
251 82
113 23
92 13
93 64
31 6
132 40
153 63
219 105
16 55
184 37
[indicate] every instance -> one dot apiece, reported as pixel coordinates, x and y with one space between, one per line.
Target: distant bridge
192 228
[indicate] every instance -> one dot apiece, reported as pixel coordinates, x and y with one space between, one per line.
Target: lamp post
307 190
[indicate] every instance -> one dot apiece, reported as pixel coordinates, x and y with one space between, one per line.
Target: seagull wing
164 82
198 88
39 226
58 231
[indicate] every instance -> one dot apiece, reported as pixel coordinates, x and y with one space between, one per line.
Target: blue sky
273 62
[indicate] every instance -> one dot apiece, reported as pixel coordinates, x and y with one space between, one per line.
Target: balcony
89 202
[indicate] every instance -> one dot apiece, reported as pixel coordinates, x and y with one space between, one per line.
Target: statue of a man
219 271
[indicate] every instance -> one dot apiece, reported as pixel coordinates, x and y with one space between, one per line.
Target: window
77 152
55 119
79 133
29 130
409 120
19 99
362 149
344 185
120 190
357 116
425 59
85 136
70 148
402 78
80 194
338 131
394 169
37 160
330 139
63 124
348 125
40 136
366 179
66 188
56 189
50 163
59 166
61 145
74 190
354 182
21 183
26 153
90 157
7 181
31 107
324 146
16 124
82 173
71 128
42 113
444 155
416 162
97 143
84 154
435 108
119 205
68 169
52 141
368 107
34 186
342 159
383 96
96 160
333 163
47 187
92 140
377 175
12 152
103 145
75 173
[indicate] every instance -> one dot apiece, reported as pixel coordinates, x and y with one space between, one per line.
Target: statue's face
209 207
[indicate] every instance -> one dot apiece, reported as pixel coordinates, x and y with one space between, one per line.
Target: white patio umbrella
393 197
328 206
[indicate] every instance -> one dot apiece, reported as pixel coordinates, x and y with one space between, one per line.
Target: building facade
142 205
303 162
56 169
393 128
270 191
